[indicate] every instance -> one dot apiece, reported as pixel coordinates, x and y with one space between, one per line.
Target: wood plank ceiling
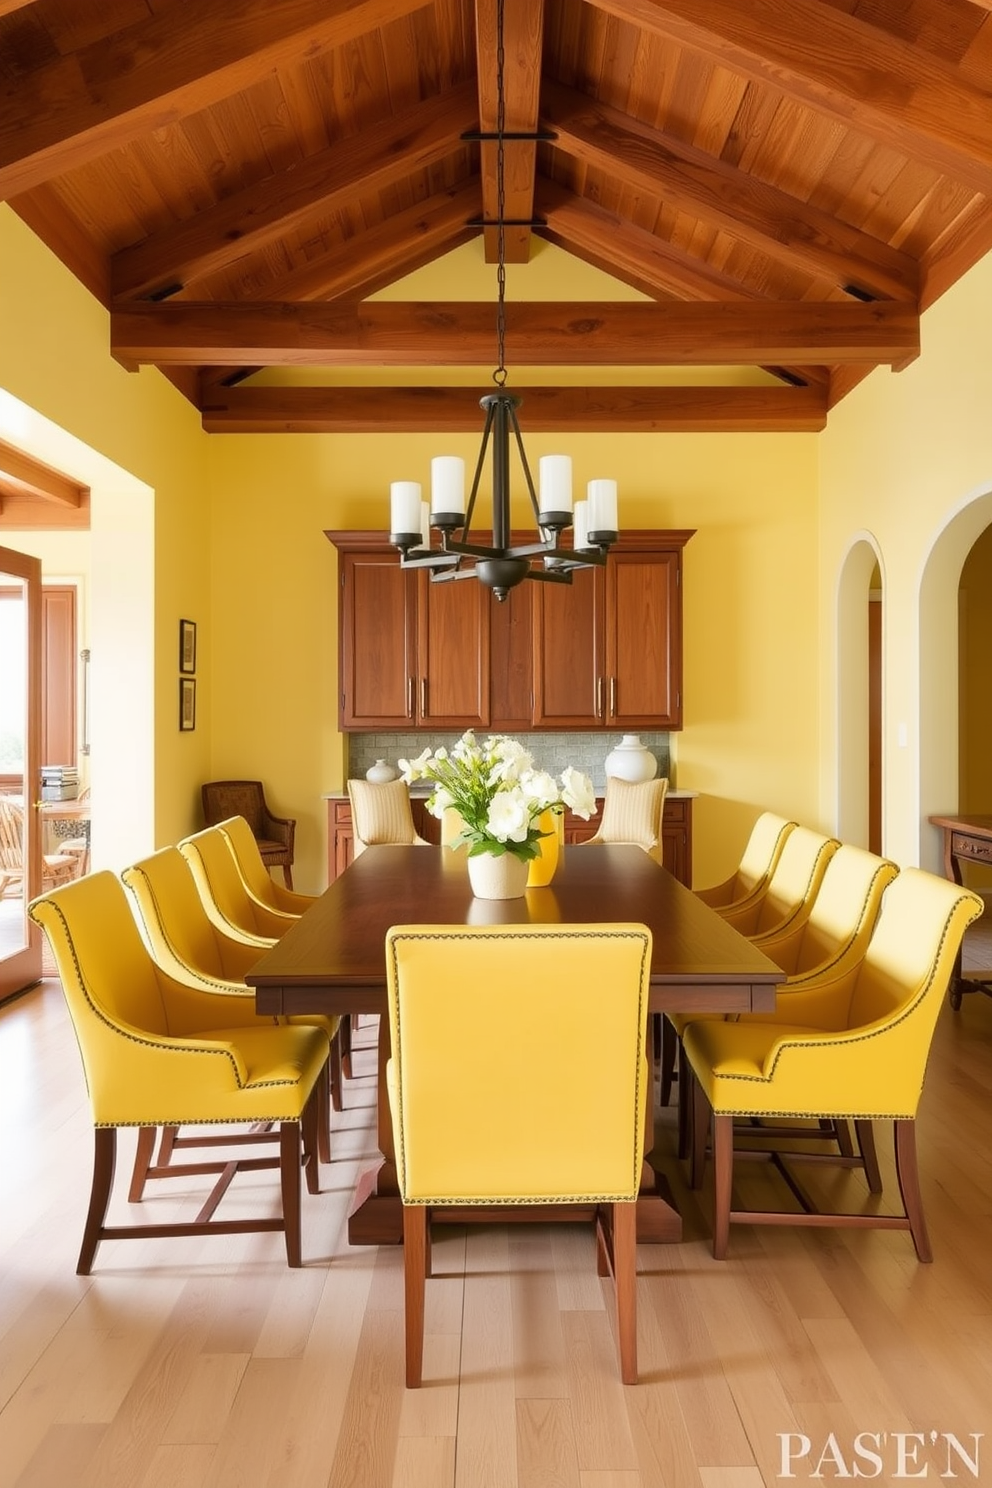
790 182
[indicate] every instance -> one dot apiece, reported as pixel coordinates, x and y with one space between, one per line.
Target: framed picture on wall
187 704
187 646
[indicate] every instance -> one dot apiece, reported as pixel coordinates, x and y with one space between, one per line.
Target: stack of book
59 782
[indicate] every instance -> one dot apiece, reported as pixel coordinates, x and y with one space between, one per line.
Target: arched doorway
860 755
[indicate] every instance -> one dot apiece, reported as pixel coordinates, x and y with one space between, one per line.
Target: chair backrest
221 888
910 957
632 812
177 928
108 977
251 866
224 798
762 852
499 1033
380 813
11 836
844 912
795 881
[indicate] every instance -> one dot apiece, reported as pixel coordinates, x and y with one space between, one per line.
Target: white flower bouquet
497 792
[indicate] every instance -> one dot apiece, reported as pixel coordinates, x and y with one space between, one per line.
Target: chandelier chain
500 374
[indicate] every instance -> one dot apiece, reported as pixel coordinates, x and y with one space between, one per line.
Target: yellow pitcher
542 868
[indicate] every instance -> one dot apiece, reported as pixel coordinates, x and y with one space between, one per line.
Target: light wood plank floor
208 1364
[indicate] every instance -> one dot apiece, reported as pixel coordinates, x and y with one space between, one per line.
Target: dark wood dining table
333 961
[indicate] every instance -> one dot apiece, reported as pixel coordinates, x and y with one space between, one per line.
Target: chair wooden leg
625 1280
414 1285
723 1172
908 1174
699 1128
312 1127
344 1033
334 1075
686 1082
666 1059
324 1101
866 1141
142 1162
289 1172
104 1162
287 874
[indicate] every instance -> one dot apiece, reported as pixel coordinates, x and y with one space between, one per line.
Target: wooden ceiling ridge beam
537 334
25 476
552 410
523 37
878 84
69 110
687 178
325 182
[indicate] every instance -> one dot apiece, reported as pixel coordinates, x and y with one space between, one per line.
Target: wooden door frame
23 967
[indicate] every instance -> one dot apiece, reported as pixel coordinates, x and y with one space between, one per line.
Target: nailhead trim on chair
816 972
479 1202
193 972
188 1046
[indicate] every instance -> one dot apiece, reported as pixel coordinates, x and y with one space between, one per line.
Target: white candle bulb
555 483
425 524
447 483
404 506
580 525
602 505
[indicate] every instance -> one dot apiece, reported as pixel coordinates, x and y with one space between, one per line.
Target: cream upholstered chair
832 939
260 884
275 835
186 944
459 999
761 853
381 814
632 812
159 1051
229 905
855 1047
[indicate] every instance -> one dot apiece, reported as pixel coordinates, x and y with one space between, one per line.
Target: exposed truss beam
455 410
64 112
890 90
20 475
243 222
552 334
523 31
688 179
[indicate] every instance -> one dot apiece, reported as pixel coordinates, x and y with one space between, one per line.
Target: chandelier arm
479 464
526 468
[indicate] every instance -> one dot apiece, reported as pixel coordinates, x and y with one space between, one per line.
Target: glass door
20 768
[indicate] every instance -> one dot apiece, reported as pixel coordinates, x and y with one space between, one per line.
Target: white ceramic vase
630 760
503 877
381 773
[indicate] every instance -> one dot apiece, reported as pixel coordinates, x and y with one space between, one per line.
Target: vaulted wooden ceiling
791 182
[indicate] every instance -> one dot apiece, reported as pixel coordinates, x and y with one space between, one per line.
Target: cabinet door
511 644
453 687
644 640
569 652
377 642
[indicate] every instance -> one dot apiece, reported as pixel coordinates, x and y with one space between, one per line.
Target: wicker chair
274 834
56 868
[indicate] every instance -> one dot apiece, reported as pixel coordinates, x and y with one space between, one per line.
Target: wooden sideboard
967 839
676 833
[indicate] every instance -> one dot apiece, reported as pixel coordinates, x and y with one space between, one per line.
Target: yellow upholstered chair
786 901
186 944
632 812
275 835
257 880
229 905
764 846
855 1048
159 1051
509 1019
830 940
381 814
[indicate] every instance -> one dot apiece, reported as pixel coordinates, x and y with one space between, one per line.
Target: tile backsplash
587 752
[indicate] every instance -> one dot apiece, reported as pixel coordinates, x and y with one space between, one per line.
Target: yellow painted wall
907 461
54 339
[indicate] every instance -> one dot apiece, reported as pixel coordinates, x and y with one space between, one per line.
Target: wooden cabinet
608 648
604 652
676 833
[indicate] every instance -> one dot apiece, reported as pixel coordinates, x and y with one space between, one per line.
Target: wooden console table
967 839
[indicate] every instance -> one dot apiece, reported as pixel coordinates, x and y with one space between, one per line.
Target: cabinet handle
409 697
613 697
599 697
423 697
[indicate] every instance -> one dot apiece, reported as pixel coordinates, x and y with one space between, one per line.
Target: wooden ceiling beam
870 81
689 180
66 111
21 475
523 37
566 410
325 182
552 334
